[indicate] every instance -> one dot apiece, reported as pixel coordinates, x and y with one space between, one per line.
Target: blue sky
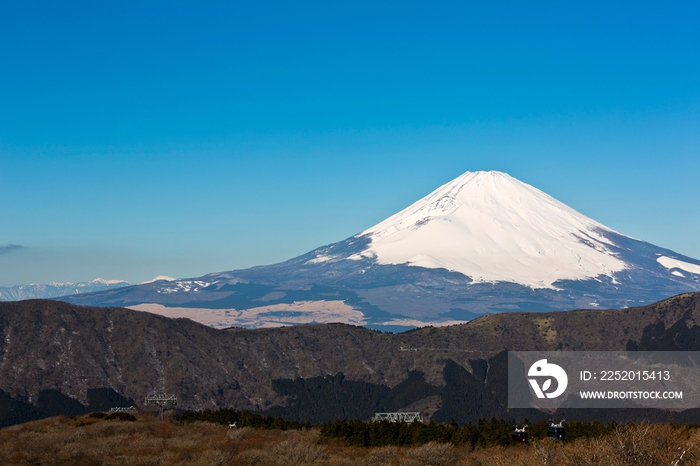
147 138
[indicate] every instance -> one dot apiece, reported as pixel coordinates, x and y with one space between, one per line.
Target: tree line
482 434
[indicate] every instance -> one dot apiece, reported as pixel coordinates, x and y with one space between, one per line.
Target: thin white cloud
8 248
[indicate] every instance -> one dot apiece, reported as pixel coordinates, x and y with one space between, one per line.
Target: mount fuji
484 242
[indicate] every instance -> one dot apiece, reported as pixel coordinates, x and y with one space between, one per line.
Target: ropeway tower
398 417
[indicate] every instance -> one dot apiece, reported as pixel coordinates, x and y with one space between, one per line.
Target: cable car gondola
556 431
520 435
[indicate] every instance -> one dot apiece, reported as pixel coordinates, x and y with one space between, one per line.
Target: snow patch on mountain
320 259
494 228
670 263
159 278
185 286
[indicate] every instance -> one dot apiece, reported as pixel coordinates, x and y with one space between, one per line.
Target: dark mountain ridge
50 345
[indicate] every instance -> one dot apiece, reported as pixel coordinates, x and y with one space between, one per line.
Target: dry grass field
149 441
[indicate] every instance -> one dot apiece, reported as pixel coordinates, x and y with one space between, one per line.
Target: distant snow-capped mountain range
484 242
55 290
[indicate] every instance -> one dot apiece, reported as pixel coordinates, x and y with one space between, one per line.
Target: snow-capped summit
492 227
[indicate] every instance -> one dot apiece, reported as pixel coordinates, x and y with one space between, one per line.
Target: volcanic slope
313 373
482 243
